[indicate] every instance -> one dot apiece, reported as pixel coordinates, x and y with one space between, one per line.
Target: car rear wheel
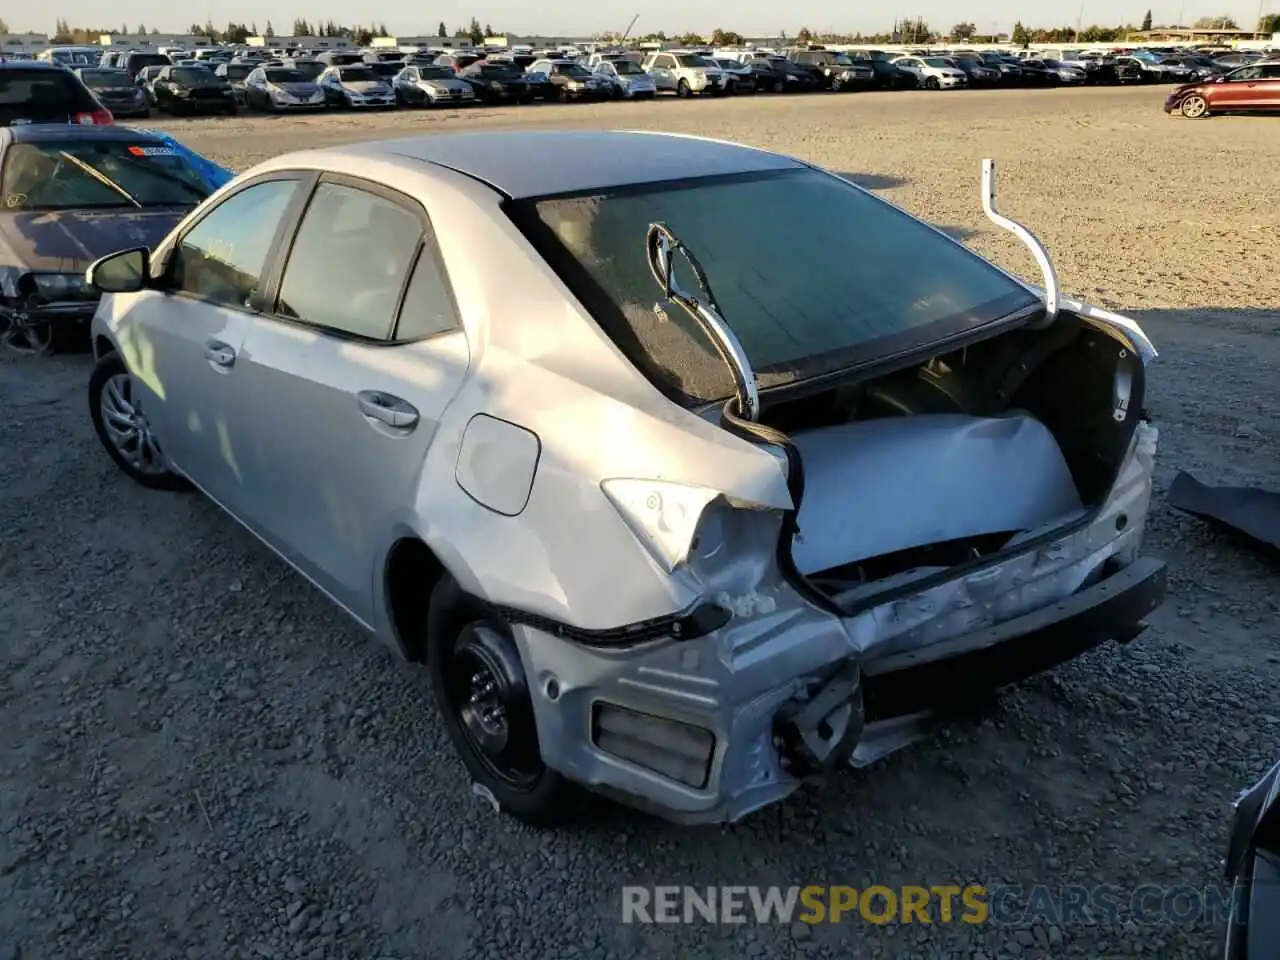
1194 107
933 83
479 682
122 427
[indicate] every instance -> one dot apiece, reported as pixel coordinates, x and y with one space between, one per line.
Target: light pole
1079 21
1181 12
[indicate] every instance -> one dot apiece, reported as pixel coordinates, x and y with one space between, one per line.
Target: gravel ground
200 758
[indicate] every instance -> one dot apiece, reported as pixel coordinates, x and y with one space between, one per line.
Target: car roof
567 161
29 65
44 132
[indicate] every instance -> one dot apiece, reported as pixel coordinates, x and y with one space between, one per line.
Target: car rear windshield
436 73
41 94
836 279
191 75
310 68
357 74
238 71
106 78
138 60
77 174
387 68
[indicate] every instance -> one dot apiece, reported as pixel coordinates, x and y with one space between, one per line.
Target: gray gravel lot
200 758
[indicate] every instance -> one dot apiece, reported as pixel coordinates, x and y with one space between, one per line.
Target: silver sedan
669 509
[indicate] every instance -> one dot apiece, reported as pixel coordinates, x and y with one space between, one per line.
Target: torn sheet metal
1250 511
875 487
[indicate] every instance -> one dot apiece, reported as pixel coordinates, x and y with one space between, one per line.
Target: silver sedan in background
670 509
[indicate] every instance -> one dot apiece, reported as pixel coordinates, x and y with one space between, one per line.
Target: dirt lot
200 758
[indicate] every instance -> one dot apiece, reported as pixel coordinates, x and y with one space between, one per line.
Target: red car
1253 87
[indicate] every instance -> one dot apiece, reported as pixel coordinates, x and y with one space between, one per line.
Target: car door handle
218 353
387 409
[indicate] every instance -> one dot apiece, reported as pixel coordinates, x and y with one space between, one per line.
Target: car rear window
41 95
357 74
106 78
853 279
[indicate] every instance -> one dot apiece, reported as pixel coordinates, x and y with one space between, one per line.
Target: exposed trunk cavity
949 462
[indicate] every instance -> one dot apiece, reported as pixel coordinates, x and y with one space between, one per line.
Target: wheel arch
421 593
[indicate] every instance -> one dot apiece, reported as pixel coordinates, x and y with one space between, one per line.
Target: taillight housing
101 117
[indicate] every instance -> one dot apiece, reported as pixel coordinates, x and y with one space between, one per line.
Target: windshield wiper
102 178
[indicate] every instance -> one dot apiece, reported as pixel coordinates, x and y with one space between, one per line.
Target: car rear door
1268 90
1237 91
348 377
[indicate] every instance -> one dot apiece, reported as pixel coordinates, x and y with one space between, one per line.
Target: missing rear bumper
941 674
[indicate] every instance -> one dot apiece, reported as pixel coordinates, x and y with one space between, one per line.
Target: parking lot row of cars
227 80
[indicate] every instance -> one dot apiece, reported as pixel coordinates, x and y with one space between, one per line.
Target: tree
442 30
62 32
4 27
142 30
1146 21
236 33
488 30
725 38
271 31
475 32
301 28
690 40
804 35
1267 24
963 31
1223 22
1020 36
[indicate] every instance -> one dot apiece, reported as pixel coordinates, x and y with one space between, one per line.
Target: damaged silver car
683 490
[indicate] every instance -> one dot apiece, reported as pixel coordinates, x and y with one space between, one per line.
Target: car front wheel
1194 107
480 685
122 427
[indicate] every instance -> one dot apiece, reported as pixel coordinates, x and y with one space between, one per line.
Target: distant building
509 41
424 42
153 41
307 43
23 43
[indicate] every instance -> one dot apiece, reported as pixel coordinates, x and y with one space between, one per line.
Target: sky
751 17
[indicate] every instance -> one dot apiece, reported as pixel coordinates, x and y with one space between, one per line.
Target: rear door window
349 262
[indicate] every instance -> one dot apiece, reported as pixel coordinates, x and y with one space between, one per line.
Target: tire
465 642
1194 107
106 377
933 83
683 90
232 110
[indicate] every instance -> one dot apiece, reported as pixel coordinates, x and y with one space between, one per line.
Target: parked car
355 87
1248 88
427 85
135 60
780 75
506 83
116 91
1152 71
145 81
36 92
73 194
888 76
1253 870
458 61
836 70
310 68
572 80
980 74
281 89
628 80
1010 69
686 74
1065 72
933 73
235 74
189 90
799 539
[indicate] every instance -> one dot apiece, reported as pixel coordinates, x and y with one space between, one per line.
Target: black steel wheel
480 686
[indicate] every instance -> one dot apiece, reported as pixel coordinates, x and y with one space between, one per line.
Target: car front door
349 377
182 340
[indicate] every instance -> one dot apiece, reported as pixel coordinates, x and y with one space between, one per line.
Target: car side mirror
126 271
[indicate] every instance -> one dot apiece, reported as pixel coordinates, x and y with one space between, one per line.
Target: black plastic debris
1248 511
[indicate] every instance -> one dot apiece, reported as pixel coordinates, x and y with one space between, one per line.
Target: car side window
223 257
349 262
1271 71
428 305
1248 73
